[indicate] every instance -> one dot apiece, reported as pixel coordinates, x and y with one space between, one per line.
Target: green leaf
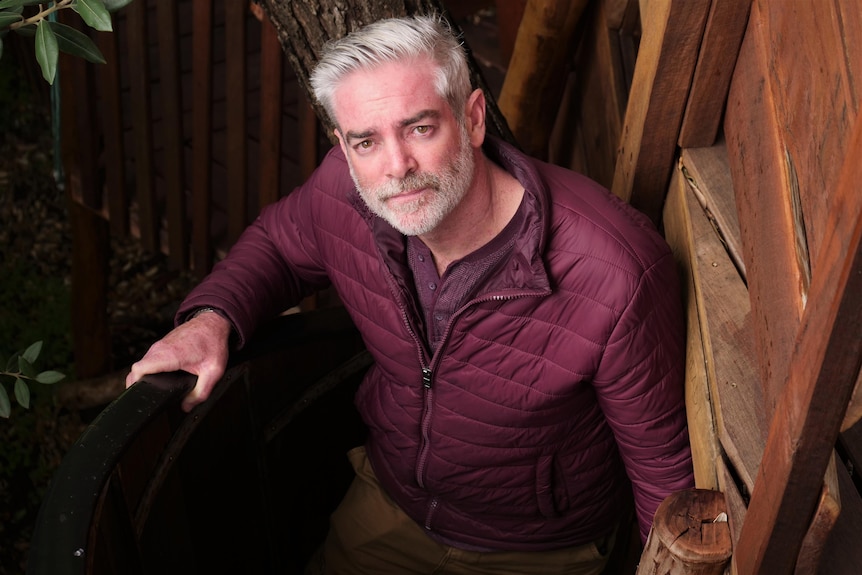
114 5
8 18
5 406
46 51
49 377
22 393
76 43
94 13
26 368
31 354
5 4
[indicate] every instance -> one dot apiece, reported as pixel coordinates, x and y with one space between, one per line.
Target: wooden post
690 536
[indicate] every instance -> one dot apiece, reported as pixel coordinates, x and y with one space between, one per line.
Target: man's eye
364 144
422 129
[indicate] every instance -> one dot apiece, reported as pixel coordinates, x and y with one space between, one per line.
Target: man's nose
400 160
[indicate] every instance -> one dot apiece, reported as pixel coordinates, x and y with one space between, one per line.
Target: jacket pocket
551 494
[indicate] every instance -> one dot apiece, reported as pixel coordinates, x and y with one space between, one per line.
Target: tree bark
304 26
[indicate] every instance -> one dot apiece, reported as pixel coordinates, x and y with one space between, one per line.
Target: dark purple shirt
439 297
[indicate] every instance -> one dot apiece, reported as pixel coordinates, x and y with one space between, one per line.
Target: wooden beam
761 181
172 134
672 32
707 171
142 126
236 13
108 82
202 79
728 345
722 38
823 370
534 82
702 426
271 82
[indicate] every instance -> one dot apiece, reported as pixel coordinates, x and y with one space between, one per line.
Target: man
525 325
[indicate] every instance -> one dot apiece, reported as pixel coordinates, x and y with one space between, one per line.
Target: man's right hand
199 347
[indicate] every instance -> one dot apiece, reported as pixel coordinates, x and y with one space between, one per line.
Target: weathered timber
304 26
702 426
708 173
142 121
108 81
725 321
269 167
854 410
842 554
690 536
825 517
202 81
761 180
722 37
672 32
823 369
236 90
172 133
735 500
589 122
815 46
534 83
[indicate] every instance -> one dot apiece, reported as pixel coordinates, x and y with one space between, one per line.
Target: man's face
412 162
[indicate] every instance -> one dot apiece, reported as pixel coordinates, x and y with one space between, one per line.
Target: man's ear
474 114
340 141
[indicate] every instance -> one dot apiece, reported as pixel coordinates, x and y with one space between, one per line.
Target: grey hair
392 40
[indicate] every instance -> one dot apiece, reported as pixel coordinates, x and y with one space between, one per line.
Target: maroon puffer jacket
563 374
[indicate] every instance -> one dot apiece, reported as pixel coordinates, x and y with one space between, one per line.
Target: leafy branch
52 37
21 370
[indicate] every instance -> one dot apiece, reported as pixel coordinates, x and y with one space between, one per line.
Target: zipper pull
426 377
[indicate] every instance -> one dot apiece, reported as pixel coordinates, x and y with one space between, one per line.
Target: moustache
408 183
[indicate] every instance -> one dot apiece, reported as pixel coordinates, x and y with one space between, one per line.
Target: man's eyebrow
433 114
424 114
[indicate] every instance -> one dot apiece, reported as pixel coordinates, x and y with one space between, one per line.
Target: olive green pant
370 535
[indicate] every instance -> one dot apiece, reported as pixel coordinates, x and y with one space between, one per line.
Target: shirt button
421 258
432 286
439 317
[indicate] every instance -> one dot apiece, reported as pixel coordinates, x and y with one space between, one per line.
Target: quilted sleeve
272 266
640 388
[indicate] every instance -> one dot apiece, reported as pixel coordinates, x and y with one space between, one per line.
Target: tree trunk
304 26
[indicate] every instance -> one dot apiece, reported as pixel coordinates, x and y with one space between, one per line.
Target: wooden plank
722 38
725 321
825 518
814 71
854 410
509 13
237 160
271 82
708 173
590 120
843 554
758 166
142 121
672 32
108 81
702 426
735 502
616 12
824 366
202 94
172 133
534 82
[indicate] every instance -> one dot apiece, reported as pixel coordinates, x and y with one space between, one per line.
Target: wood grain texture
672 32
722 37
823 370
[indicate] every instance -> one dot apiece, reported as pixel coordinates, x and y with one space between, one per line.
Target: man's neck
488 206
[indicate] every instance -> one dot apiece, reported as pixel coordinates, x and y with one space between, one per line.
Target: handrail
86 469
